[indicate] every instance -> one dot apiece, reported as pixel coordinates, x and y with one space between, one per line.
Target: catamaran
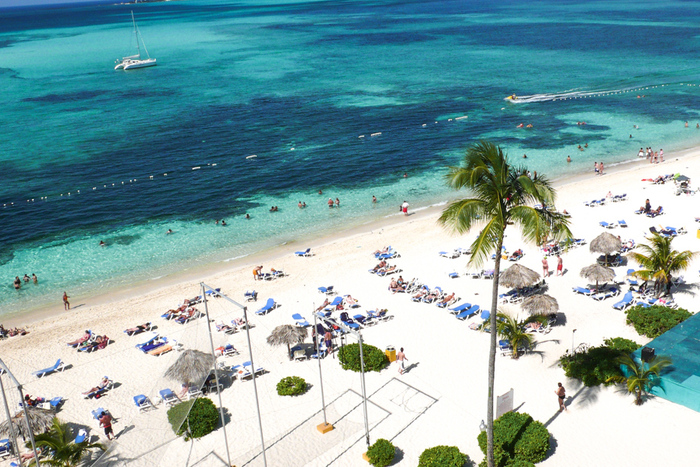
135 61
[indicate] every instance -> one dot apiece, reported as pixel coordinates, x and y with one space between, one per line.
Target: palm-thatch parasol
518 276
597 273
540 304
40 420
287 334
191 367
605 243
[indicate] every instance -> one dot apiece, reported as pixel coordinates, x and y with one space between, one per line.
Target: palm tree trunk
492 354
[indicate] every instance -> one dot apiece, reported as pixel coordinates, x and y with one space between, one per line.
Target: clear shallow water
296 84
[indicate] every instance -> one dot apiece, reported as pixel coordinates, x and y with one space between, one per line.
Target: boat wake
567 95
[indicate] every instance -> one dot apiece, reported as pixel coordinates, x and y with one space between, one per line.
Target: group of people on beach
11 332
654 157
26 279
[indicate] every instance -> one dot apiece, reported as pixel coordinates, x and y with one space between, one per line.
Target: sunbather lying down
394 286
138 329
381 265
447 299
103 384
323 305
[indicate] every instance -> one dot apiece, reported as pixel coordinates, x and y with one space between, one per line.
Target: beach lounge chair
460 308
475 274
364 320
504 348
100 390
169 397
618 198
326 290
226 350
307 252
471 311
58 366
81 437
85 338
612 292
625 302
622 223
300 320
5 448
251 296
142 403
657 212
453 275
487 274
449 254
269 306
160 350
334 304
212 293
583 291
246 370
610 225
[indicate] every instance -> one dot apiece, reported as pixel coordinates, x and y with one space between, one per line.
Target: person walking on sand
328 337
404 208
401 360
106 423
600 166
560 266
66 303
545 267
561 395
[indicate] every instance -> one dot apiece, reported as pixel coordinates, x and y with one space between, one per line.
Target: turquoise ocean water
88 153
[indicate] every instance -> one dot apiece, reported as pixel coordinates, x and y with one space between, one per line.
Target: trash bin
390 353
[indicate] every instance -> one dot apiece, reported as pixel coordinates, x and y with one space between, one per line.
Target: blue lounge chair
584 291
487 274
336 301
460 308
169 397
453 275
98 412
5 448
142 403
58 366
606 294
248 370
307 252
326 290
611 225
300 320
449 254
81 437
269 306
468 313
251 296
485 314
622 223
625 302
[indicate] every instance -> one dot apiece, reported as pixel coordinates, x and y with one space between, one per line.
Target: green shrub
349 357
518 439
194 418
655 320
291 386
597 365
442 456
381 453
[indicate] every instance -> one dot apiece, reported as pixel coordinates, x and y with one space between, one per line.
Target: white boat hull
133 64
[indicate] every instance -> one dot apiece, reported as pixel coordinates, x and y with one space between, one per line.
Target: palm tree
659 261
502 195
510 328
642 376
63 452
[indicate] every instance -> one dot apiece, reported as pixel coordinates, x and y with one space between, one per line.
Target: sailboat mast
136 34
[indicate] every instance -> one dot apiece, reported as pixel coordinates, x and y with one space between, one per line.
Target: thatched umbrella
287 334
191 367
40 420
540 304
605 243
518 276
597 273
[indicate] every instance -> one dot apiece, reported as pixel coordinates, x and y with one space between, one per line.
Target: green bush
655 320
349 357
381 453
442 456
597 365
291 386
518 440
194 418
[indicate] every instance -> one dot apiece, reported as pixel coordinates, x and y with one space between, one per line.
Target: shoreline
278 253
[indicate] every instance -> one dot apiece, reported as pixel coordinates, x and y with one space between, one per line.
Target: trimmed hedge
597 365
381 453
291 386
442 456
349 357
202 414
655 320
518 440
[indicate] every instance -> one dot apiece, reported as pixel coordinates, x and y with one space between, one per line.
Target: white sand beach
440 401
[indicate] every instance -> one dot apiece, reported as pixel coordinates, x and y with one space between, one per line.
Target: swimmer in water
102 243
320 192
247 216
374 199
568 158
303 205
520 126
169 232
223 222
330 203
299 204
524 156
337 203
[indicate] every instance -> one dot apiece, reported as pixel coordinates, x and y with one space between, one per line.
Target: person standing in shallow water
66 303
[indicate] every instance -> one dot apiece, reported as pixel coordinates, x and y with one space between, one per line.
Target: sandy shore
441 400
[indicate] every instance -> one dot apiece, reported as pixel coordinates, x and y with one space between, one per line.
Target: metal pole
252 364
9 422
364 391
320 376
573 333
216 375
24 409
